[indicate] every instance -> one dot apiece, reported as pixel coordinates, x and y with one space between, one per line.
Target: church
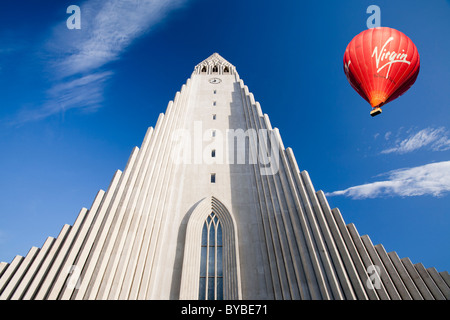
212 206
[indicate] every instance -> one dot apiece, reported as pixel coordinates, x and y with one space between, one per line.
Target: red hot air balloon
381 64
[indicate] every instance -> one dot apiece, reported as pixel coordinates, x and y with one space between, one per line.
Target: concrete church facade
213 206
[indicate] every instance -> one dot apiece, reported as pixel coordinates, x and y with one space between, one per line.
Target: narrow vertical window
214 103
213 178
214 117
213 133
211 267
215 91
213 153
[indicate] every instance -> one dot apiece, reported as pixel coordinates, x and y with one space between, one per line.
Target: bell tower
215 64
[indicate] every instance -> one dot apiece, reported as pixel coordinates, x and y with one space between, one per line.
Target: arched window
203 69
211 254
211 261
215 70
226 70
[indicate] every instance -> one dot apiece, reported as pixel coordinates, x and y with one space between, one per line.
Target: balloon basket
375 112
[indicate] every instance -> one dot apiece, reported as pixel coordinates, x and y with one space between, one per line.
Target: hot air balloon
381 64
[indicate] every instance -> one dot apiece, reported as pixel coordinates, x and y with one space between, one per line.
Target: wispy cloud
84 93
78 59
436 139
430 179
108 28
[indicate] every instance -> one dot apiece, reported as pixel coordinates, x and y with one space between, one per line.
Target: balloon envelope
381 64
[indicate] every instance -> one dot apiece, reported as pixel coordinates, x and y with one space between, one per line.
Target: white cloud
430 179
84 93
107 29
78 59
437 139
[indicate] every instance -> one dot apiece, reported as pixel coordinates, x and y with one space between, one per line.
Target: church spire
238 220
214 64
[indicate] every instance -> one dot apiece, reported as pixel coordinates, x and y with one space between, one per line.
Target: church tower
213 206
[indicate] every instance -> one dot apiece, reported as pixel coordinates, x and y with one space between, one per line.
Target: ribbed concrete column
19 274
33 269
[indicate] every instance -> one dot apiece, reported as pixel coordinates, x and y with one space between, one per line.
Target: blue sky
73 104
